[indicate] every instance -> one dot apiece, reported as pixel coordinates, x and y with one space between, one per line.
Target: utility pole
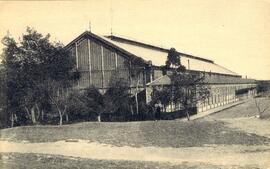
111 11
89 26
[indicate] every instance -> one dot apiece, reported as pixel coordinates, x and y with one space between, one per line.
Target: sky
233 33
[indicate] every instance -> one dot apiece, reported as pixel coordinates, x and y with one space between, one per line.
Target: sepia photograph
135 84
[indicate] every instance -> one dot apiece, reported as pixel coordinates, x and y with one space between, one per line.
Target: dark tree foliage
136 70
263 87
162 95
34 67
115 102
94 102
77 108
117 99
3 99
173 58
186 88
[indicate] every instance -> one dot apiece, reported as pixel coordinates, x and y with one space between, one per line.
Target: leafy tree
173 58
136 73
11 64
3 99
36 70
186 88
77 108
115 101
162 95
94 102
263 87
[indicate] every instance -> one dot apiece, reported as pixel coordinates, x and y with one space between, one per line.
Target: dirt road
216 155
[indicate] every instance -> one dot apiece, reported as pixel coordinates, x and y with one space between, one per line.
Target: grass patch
149 133
138 134
38 161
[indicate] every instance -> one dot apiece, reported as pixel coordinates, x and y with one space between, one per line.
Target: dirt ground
245 117
46 161
233 138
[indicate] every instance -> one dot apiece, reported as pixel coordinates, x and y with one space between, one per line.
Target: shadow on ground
38 161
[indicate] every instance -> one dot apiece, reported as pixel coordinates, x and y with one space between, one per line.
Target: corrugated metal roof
199 65
158 58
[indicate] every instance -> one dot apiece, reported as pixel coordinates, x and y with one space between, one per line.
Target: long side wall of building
222 94
224 89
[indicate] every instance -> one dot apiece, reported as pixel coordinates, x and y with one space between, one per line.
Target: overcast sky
233 33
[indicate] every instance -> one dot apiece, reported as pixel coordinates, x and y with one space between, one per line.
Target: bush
77 107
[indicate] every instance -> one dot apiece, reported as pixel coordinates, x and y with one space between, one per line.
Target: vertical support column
222 95
226 95
234 93
129 75
89 62
102 66
152 74
77 59
116 61
76 53
144 77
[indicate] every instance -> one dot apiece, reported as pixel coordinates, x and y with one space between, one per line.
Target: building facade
100 59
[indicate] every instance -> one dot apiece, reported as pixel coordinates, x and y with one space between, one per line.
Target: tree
136 75
186 88
94 102
263 87
260 106
117 99
3 99
162 95
77 108
173 58
10 61
36 69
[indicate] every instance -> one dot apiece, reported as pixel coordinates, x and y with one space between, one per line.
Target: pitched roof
108 42
157 55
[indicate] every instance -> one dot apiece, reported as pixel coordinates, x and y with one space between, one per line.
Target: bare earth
241 122
216 155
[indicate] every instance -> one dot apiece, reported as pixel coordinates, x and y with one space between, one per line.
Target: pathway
216 155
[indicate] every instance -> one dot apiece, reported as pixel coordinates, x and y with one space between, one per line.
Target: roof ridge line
144 44
137 42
